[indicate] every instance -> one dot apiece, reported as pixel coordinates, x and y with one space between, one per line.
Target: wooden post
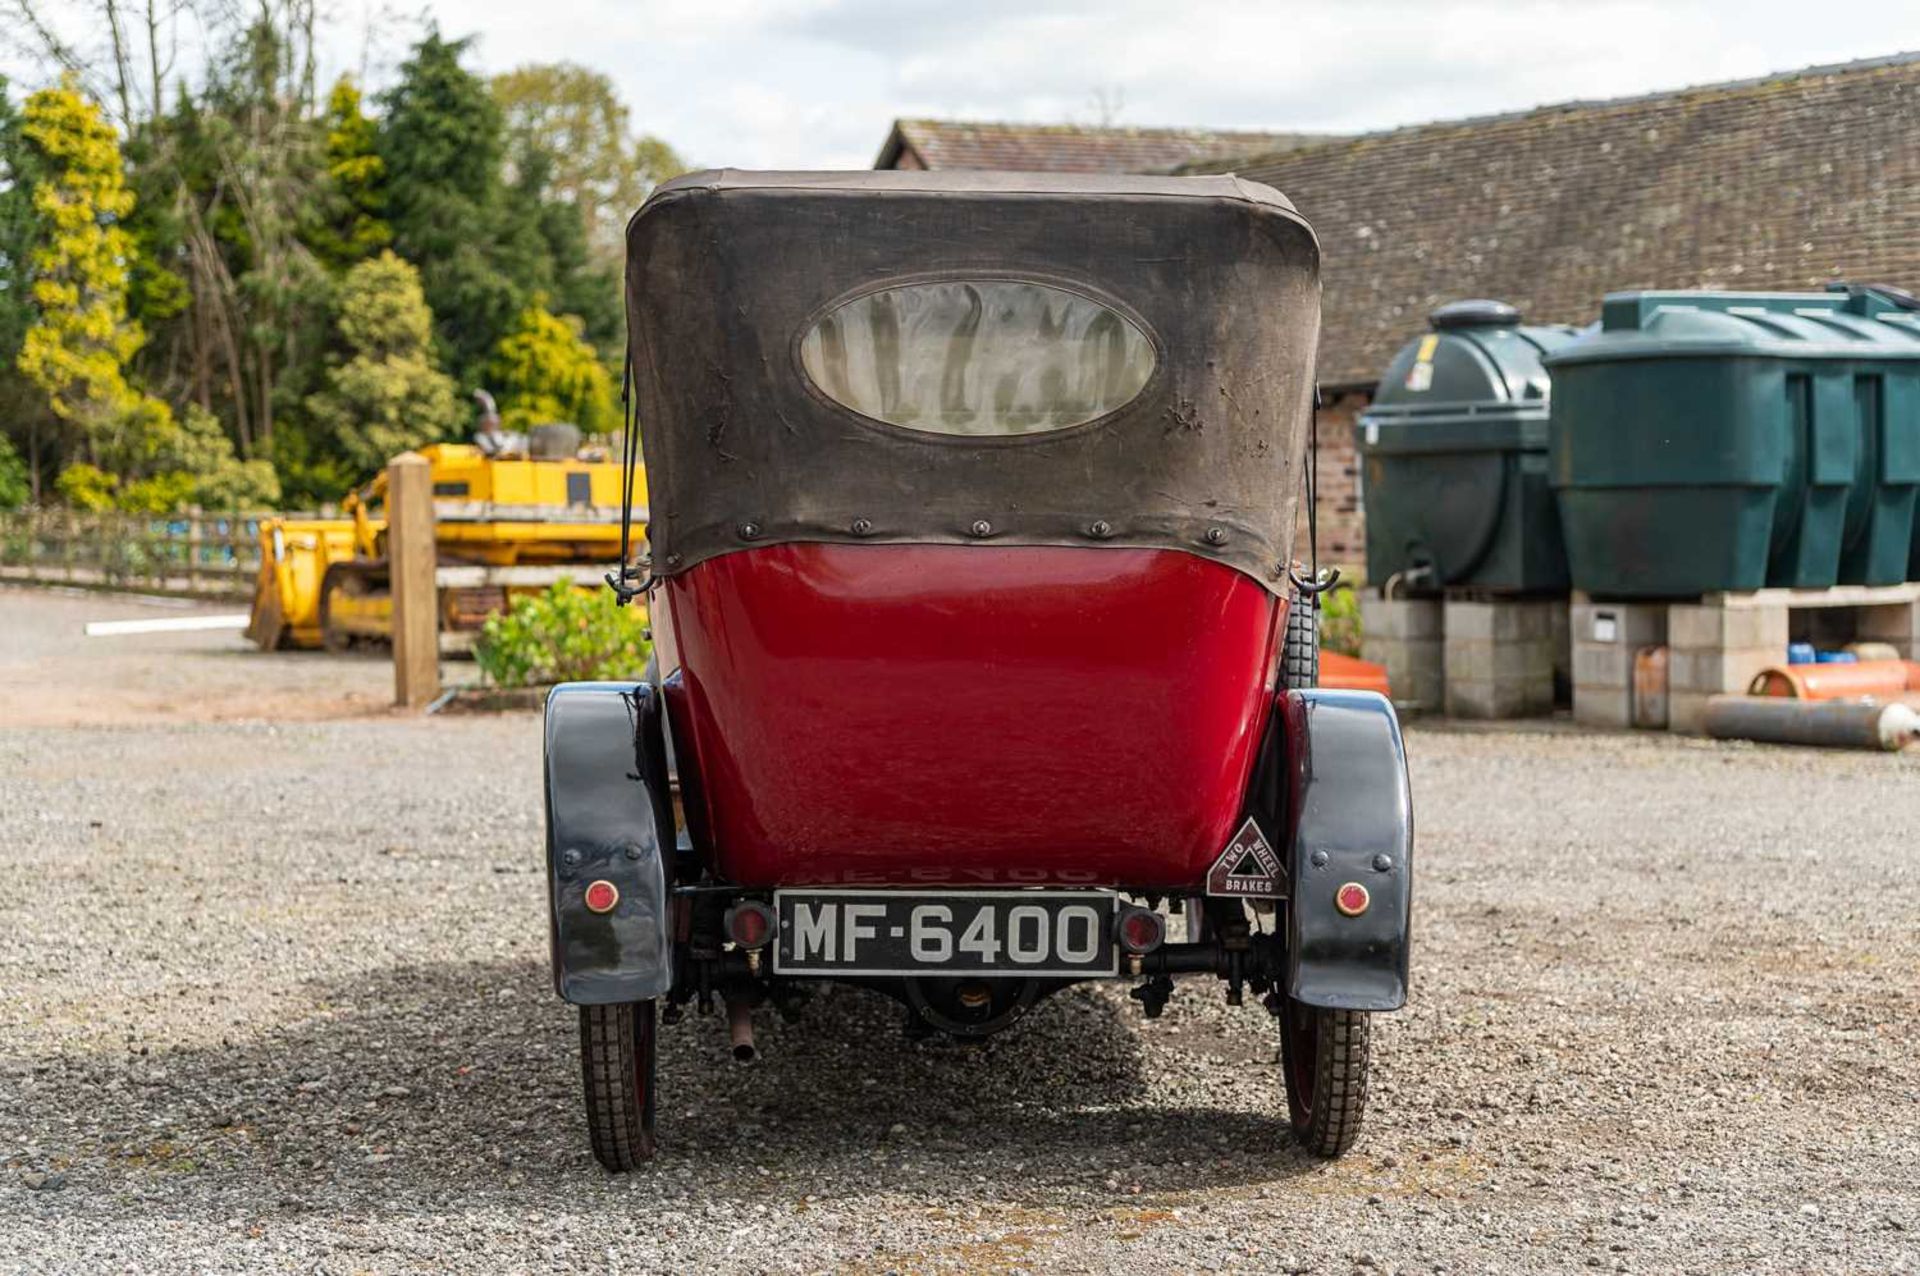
410 569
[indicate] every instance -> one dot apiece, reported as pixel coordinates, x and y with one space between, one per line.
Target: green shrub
13 476
86 487
1340 621
563 635
155 494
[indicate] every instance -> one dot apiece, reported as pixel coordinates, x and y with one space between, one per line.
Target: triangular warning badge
1248 867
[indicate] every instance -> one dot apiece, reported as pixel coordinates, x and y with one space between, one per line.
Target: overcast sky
815 83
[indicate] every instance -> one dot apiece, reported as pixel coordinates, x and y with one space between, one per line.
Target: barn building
1787 182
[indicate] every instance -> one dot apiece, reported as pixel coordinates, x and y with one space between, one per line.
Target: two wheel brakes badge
1248 868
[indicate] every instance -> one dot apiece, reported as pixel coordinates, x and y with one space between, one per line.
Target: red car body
917 714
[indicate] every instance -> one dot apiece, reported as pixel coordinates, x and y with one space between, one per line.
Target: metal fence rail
195 554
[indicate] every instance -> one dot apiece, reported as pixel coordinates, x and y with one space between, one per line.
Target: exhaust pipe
740 1029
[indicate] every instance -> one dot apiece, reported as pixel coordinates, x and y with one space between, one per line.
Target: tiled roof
1786 182
1068 148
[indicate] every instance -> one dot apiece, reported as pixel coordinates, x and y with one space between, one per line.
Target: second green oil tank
1710 441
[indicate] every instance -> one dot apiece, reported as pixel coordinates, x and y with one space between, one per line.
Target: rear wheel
617 1072
1300 652
1324 1056
1322 1052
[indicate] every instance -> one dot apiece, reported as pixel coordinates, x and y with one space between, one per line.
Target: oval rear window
978 357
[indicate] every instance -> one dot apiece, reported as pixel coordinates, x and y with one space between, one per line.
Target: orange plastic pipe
1348 674
1880 678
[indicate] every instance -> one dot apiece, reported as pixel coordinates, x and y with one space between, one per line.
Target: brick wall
1343 533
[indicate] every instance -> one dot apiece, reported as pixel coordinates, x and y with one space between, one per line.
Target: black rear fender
609 818
1349 820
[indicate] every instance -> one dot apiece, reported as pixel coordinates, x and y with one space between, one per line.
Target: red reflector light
601 896
750 924
1352 899
1140 930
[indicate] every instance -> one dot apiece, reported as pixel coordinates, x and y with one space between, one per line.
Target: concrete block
1515 620
1691 625
1483 699
1499 658
1500 698
1896 624
1610 707
1717 672
1470 659
1484 660
1416 668
1539 658
1686 711
1424 687
1391 650
1400 617
1467 621
1402 653
1601 665
1630 625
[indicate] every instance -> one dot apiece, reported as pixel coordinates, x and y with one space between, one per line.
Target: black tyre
1300 651
617 1073
1322 1052
1324 1056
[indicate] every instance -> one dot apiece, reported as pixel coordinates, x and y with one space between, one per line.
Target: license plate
986 933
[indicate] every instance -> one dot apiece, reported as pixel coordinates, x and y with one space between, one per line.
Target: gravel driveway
273 995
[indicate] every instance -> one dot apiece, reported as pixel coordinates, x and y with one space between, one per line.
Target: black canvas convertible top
748 442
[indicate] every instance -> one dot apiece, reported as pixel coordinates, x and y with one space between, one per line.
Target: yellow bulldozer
505 523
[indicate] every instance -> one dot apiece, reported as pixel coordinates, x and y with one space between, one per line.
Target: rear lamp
601 896
1140 930
750 924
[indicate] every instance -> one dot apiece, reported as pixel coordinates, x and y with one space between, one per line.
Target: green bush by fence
563 635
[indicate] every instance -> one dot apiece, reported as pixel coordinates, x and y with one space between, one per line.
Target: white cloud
815 83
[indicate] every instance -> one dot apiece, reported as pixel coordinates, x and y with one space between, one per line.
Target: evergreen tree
440 144
387 395
552 256
157 292
23 414
349 225
179 292
18 226
487 229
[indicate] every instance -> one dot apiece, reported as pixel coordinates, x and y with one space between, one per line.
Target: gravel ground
273 995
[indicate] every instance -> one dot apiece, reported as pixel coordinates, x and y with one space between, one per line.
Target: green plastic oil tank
1732 441
1453 457
1899 310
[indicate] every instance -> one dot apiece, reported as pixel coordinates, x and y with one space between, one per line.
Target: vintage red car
981 648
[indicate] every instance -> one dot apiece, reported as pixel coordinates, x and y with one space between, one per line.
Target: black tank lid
1479 313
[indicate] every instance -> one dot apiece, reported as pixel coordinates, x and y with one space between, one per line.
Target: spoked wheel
617 1070
1324 1056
